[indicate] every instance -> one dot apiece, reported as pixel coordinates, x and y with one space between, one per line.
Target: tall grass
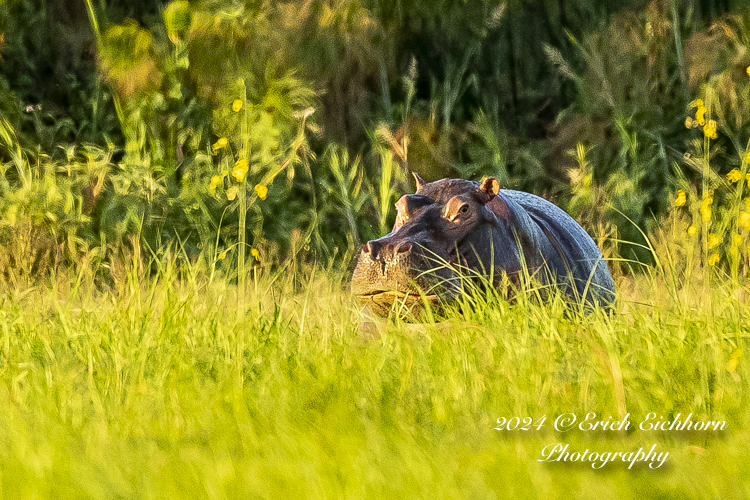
158 389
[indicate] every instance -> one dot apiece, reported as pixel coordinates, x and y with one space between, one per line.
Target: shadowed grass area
161 390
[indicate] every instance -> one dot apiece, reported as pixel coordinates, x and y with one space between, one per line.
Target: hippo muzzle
406 272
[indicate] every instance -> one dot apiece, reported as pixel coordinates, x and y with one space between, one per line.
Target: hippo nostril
403 248
372 248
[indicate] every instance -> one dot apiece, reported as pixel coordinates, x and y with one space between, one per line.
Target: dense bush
280 128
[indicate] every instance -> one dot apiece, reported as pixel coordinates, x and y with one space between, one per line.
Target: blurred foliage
341 99
717 210
45 207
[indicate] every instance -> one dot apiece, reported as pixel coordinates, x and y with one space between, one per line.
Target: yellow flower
706 207
261 191
215 181
713 259
748 71
709 130
746 158
732 364
714 240
736 239
254 252
699 114
692 230
240 169
696 103
220 143
734 176
744 220
681 198
223 255
689 122
236 105
232 193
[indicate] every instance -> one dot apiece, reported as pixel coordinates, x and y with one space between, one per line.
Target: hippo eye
463 209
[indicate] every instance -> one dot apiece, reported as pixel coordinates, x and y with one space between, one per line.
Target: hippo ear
488 189
420 181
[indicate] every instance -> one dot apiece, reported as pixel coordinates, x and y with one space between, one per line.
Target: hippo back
568 249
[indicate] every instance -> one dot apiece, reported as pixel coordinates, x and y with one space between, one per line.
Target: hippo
454 227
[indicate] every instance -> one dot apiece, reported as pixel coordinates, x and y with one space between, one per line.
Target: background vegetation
183 186
120 106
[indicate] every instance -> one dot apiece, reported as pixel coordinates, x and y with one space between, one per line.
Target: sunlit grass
157 389
125 378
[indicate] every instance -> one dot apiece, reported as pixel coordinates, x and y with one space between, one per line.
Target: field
184 184
162 388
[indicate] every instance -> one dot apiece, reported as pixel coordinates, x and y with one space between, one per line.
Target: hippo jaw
381 303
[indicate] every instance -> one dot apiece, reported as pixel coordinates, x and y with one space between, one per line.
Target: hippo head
444 226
